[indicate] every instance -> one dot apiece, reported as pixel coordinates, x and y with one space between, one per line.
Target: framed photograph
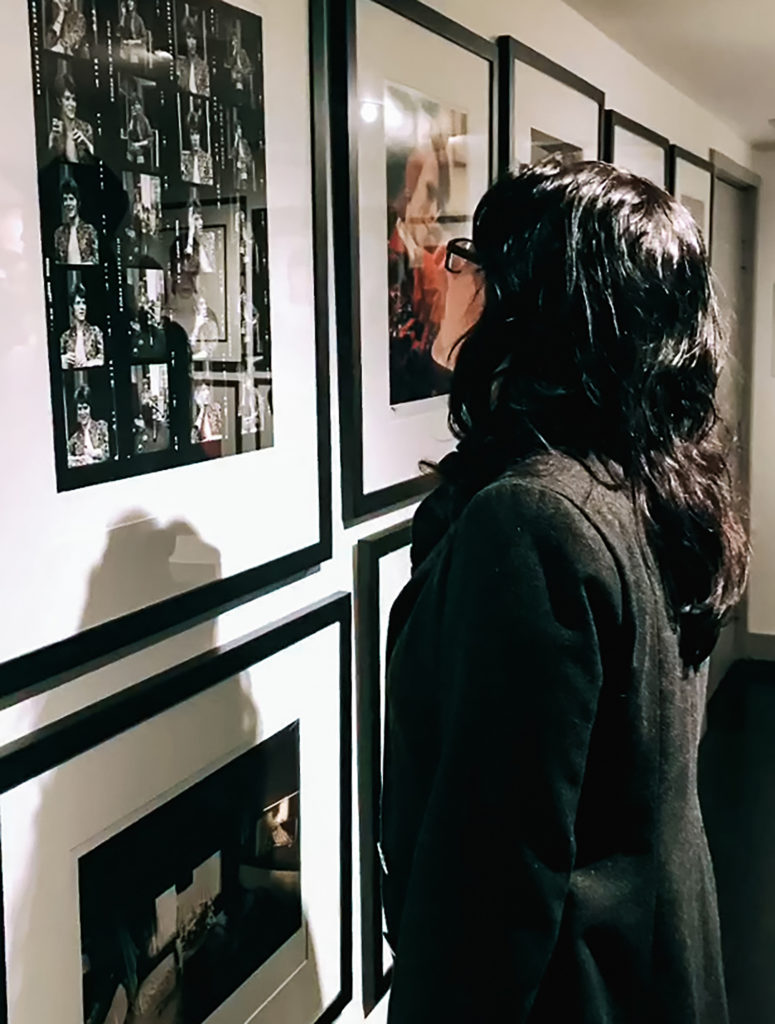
181 851
691 182
382 569
147 280
412 154
544 109
636 148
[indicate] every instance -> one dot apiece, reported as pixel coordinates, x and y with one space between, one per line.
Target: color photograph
181 907
427 197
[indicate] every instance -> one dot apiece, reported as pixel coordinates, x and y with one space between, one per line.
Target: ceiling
719 52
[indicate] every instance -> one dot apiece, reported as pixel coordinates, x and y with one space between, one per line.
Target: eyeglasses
460 251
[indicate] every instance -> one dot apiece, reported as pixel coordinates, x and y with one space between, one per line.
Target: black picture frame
614 119
704 164
53 745
357 504
510 51
369 654
51 665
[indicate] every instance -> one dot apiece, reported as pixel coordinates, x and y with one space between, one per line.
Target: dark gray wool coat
545 852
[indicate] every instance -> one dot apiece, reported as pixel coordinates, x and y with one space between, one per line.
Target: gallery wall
159 552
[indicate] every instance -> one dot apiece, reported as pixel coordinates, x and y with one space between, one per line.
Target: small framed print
412 147
544 109
691 182
636 148
181 239
181 851
382 569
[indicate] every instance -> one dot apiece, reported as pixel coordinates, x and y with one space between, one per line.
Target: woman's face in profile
463 305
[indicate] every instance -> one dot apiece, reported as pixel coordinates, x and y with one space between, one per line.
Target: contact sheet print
152 187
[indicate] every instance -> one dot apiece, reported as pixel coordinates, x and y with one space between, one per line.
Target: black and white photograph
145 298
255 411
75 239
142 234
80 303
140 131
71 109
89 416
152 175
543 145
192 70
181 907
140 35
196 162
150 407
67 27
239 56
214 417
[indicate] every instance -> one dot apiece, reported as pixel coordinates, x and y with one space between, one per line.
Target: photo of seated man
142 139
238 62
208 416
75 241
241 158
131 30
89 442
147 337
82 343
192 72
196 164
66 28
142 230
70 138
150 408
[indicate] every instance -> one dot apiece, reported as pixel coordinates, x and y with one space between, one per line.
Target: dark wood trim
614 120
49 666
368 659
511 50
358 505
732 172
69 737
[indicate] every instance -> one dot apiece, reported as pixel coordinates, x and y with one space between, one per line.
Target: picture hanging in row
382 570
545 110
636 148
181 852
422 141
152 176
691 182
181 318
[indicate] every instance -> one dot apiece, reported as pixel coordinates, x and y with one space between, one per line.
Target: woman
543 844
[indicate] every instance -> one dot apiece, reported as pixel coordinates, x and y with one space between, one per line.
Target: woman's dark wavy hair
601 338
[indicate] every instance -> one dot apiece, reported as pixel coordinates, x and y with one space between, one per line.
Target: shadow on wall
142 562
737 792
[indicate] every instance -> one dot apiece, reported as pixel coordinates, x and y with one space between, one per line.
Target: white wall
560 33
761 593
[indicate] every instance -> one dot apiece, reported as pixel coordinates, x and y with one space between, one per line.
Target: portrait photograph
238 58
80 306
67 27
141 36
255 411
243 153
199 278
75 239
182 906
214 410
71 109
142 120
145 305
141 234
427 198
89 415
192 70
150 407
196 162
